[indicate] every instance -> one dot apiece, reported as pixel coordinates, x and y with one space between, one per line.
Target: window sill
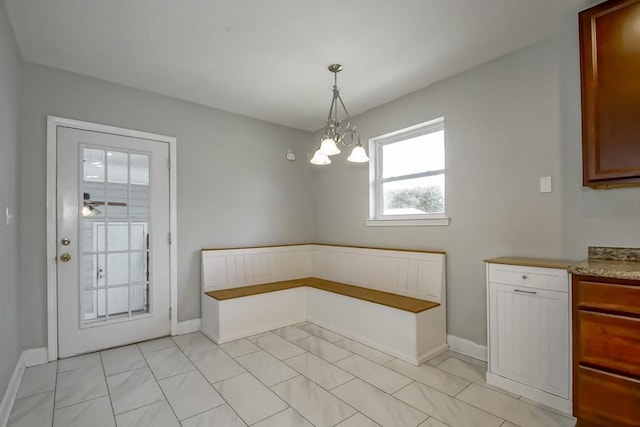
422 222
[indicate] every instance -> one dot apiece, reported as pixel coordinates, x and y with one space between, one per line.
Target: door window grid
103 293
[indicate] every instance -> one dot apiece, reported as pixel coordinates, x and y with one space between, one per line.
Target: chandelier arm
346 112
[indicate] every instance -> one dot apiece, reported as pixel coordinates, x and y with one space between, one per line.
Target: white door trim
52 219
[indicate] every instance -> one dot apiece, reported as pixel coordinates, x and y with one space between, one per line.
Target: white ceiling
267 58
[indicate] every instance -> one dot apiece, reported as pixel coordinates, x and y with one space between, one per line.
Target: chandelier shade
338 131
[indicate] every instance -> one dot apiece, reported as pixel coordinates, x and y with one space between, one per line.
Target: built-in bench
392 300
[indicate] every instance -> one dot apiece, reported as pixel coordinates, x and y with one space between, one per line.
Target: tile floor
300 375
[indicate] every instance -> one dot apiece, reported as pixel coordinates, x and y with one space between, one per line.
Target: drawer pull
525 292
524 276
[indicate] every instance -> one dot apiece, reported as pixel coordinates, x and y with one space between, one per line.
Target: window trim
376 216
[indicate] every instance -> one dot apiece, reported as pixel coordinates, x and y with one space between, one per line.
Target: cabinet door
610 65
529 337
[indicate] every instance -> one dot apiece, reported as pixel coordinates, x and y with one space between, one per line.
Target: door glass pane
118 167
118 236
118 299
138 267
117 269
93 165
115 195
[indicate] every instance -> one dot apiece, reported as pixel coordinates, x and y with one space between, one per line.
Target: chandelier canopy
338 131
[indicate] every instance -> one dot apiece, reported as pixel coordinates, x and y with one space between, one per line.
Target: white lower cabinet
529 340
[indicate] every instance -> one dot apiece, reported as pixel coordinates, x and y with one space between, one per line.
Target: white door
113 240
529 333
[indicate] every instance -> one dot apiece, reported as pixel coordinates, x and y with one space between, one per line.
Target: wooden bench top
401 302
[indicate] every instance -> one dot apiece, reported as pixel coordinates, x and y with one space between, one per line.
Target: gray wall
507 123
10 63
235 186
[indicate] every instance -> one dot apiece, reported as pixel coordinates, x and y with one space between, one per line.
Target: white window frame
376 215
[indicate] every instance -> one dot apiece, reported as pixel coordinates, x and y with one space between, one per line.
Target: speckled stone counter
614 263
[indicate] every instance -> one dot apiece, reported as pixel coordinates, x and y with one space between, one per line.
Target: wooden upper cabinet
610 72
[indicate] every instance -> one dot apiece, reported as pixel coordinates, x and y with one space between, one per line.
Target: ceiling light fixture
338 131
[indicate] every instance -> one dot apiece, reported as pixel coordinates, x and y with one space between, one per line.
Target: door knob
65 257
66 241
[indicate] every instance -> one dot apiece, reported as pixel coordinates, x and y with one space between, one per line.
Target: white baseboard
467 347
35 356
188 326
29 357
11 392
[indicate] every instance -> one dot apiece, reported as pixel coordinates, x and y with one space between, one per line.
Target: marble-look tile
251 399
277 346
435 361
531 402
38 379
239 347
155 345
358 420
468 359
364 351
266 368
433 377
84 361
190 394
168 362
122 359
222 416
94 413
445 408
216 365
157 414
133 389
432 422
511 409
193 343
508 424
253 338
462 369
377 375
291 333
317 405
80 385
286 418
321 332
31 411
377 405
324 349
319 371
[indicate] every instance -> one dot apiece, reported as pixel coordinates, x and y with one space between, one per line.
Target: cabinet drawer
609 341
606 296
606 399
531 277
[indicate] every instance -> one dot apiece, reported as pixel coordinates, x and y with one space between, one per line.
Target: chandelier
338 131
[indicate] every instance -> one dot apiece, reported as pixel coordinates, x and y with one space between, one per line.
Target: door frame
53 122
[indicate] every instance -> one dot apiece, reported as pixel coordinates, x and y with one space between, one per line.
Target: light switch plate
545 184
9 217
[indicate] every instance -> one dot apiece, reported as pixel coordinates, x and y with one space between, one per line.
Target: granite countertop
613 263
613 269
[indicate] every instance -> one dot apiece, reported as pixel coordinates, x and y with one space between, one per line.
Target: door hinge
170 312
169 238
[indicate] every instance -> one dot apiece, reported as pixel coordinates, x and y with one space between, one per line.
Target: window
408 176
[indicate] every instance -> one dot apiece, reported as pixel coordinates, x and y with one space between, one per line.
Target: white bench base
236 318
412 337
